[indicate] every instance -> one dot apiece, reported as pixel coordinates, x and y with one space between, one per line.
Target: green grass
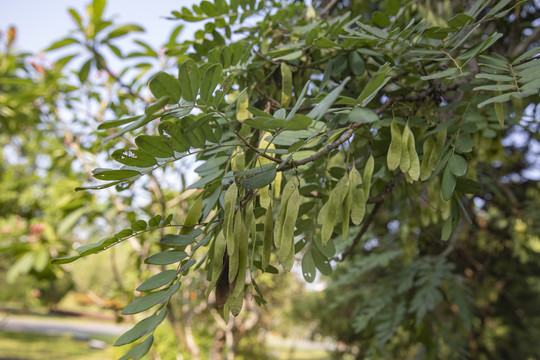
30 346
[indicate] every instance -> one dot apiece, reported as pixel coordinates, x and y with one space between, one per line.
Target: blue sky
39 23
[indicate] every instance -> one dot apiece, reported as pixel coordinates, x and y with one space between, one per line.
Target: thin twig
266 58
256 150
328 8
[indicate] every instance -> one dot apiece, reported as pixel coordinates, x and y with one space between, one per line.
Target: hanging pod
393 157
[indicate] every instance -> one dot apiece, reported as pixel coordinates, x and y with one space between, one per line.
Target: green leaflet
141 329
189 78
358 205
106 174
134 157
320 110
158 280
374 86
499 112
192 217
166 257
172 135
457 165
448 183
308 267
140 350
210 81
165 85
156 146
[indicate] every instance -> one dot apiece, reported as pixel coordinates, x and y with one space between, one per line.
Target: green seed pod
440 141
242 261
343 188
239 237
228 218
287 191
358 205
368 173
347 209
286 252
217 265
328 215
425 170
414 170
267 239
405 161
393 157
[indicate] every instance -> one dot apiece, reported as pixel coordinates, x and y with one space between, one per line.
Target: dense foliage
376 144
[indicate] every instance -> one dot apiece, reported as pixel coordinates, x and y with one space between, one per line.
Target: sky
39 23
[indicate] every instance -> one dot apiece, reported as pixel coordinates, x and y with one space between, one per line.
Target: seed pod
440 141
264 193
368 173
223 288
235 304
414 170
267 239
405 161
242 259
286 252
228 218
425 170
249 219
239 237
347 209
217 264
328 215
393 157
287 191
358 205
342 188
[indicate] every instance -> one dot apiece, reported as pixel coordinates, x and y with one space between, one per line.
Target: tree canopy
388 147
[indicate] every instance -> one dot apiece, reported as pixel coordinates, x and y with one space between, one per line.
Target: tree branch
522 47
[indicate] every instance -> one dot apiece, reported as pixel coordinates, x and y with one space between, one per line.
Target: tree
326 132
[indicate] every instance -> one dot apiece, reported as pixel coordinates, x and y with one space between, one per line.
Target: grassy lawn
29 346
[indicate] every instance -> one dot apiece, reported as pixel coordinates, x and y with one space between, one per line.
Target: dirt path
54 326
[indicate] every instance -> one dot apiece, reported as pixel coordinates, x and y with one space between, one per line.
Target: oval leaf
166 257
134 157
165 85
158 280
457 165
154 145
